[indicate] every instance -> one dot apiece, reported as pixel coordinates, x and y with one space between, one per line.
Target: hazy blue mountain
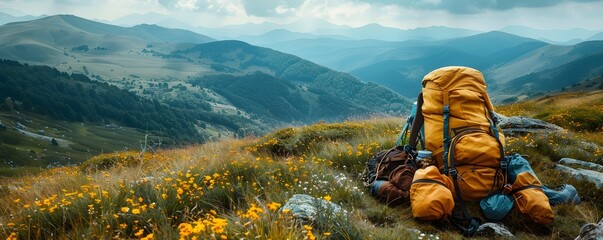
486 43
543 59
137 19
282 35
7 18
598 36
379 32
566 75
403 68
553 36
404 76
341 55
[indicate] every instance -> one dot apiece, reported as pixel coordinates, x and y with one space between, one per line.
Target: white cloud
280 9
187 5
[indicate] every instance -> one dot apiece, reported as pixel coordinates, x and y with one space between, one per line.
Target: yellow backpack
459 128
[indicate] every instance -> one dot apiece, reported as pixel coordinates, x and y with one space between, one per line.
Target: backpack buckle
504 164
453 172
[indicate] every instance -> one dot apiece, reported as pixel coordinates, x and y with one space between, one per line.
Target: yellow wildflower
185 229
148 237
13 236
125 209
139 233
273 206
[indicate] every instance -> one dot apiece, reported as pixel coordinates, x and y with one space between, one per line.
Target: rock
20 126
591 231
2 126
494 230
521 125
588 175
307 208
587 165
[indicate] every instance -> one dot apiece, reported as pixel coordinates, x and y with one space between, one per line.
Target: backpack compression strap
417 123
446 127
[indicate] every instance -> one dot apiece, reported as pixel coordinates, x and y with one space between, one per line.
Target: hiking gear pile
454 119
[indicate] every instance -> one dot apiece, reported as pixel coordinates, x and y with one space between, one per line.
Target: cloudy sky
405 14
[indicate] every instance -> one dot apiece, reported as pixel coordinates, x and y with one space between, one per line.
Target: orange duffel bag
430 195
530 199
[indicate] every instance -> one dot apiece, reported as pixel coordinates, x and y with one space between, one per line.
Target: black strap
417 123
426 180
474 222
523 188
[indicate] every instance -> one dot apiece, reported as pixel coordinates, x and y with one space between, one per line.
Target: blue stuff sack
563 194
496 206
376 186
517 165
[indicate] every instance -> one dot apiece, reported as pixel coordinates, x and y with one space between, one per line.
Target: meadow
235 189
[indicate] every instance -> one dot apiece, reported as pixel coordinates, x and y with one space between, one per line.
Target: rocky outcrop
308 208
521 125
591 231
581 164
588 175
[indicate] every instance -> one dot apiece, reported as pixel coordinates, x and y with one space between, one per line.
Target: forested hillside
74 97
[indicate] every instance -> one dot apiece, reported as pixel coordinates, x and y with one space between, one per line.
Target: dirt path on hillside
61 142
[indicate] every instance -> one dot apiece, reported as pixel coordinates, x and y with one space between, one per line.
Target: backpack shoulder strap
417 123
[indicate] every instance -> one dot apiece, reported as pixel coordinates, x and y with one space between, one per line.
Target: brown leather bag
389 175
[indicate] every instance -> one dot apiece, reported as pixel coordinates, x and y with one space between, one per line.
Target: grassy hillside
31 150
234 188
580 111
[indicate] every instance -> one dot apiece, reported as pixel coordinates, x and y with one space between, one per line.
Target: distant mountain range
300 80
554 36
183 69
502 57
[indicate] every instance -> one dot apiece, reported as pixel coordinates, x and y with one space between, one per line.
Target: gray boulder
494 230
582 164
588 175
521 125
591 231
308 208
